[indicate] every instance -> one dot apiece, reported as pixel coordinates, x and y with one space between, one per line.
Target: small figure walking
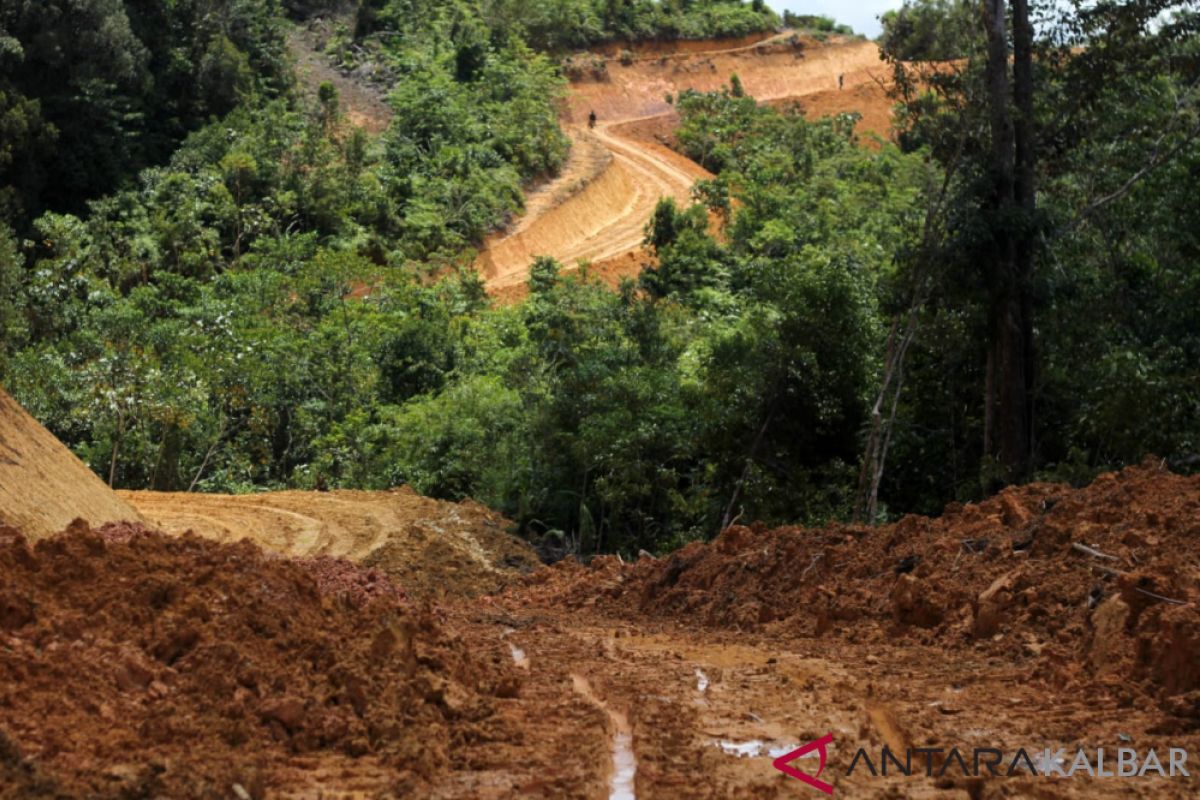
841 81
592 120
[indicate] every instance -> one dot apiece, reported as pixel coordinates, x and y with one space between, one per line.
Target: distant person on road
592 120
841 81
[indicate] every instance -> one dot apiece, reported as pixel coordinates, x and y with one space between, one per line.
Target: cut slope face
768 71
43 486
432 548
603 217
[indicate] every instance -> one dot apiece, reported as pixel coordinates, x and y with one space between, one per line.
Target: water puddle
757 748
620 786
624 763
518 656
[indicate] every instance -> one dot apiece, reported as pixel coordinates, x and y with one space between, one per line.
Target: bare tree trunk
1026 198
989 403
209 454
116 448
910 333
880 438
869 453
727 519
1010 328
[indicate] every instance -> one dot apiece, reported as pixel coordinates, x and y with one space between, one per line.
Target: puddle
624 762
518 656
701 681
624 768
757 748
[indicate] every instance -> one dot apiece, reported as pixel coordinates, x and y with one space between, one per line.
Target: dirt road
134 664
597 208
603 216
624 710
432 547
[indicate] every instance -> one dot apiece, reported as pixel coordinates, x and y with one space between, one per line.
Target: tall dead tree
1008 422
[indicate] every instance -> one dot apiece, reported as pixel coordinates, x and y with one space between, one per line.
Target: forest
210 282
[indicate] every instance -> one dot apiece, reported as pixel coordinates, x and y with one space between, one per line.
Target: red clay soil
134 664
1003 578
139 665
868 99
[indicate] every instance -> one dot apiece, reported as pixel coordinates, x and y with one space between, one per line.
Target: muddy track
660 711
603 216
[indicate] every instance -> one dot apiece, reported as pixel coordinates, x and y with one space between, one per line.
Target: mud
138 664
1009 578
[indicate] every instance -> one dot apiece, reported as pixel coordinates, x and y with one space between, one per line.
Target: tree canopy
210 280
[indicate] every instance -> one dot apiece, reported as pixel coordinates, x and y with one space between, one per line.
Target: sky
858 14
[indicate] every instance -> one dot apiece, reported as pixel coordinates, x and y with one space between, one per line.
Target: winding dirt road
596 209
601 206
604 218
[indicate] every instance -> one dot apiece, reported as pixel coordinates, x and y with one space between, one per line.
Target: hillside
627 399
601 211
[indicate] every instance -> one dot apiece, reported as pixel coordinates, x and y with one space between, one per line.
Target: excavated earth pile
136 664
1092 589
43 486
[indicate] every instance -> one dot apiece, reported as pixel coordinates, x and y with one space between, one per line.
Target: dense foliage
930 30
550 25
240 291
562 24
815 23
92 91
1111 296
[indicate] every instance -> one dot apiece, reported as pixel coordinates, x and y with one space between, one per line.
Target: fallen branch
1083 548
1160 597
811 564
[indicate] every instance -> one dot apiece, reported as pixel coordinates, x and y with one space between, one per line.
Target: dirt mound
43 486
135 664
430 547
1097 585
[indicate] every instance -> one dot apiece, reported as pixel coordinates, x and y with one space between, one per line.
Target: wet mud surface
138 665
